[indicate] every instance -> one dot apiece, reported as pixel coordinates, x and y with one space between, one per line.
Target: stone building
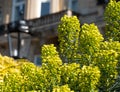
43 16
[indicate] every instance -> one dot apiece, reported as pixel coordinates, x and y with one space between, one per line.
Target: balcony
50 22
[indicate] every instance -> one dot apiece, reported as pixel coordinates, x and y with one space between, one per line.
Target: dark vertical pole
19 43
9 40
10 44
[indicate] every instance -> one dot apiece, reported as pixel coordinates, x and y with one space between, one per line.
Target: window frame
43 1
15 4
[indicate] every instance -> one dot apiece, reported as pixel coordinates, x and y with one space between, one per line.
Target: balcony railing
39 24
48 19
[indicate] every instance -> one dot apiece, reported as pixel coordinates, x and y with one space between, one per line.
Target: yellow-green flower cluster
90 77
107 61
112 18
68 35
63 88
51 64
90 39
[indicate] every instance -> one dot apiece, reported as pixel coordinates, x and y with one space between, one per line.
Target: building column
55 6
62 5
32 9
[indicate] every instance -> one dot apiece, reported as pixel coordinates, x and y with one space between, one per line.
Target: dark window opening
45 8
74 5
19 12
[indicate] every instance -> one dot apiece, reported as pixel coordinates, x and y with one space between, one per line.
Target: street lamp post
19 39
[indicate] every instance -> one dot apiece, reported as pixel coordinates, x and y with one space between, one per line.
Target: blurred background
43 17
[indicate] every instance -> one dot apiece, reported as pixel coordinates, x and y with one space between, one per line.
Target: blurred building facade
44 15
13 10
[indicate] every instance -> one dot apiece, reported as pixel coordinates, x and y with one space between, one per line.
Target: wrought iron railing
48 19
55 18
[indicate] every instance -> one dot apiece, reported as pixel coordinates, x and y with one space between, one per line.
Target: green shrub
51 64
88 79
70 74
63 88
107 61
68 35
112 18
90 39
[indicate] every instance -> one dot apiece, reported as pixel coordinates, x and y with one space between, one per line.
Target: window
74 5
44 7
18 10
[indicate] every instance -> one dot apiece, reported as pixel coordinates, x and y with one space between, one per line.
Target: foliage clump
107 61
51 64
52 75
90 39
64 88
68 35
112 18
